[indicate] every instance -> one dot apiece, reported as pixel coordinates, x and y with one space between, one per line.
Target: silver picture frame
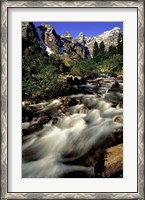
4 99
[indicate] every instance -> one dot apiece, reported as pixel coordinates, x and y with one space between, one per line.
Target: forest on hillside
43 75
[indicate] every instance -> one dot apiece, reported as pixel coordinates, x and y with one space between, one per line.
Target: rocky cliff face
108 37
81 45
65 44
29 35
50 39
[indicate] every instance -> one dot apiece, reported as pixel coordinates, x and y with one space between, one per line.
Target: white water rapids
53 151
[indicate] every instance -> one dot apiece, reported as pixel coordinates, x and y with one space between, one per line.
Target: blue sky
88 28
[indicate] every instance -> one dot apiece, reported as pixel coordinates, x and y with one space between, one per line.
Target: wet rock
35 125
25 125
45 119
118 137
114 97
73 102
69 80
116 87
110 163
120 75
32 128
62 107
55 120
90 160
77 81
88 173
119 119
100 81
87 90
26 114
92 76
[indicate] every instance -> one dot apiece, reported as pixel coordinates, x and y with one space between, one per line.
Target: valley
72 104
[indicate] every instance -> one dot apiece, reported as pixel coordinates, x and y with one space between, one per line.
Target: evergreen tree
112 50
95 49
99 53
103 53
96 53
40 74
102 47
120 44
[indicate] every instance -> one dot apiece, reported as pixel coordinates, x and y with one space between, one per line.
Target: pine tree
103 53
120 44
96 53
95 49
102 47
112 50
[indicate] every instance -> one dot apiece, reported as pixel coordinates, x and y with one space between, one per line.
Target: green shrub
113 64
82 67
39 76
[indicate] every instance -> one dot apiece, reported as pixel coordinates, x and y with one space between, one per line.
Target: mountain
49 66
46 38
108 37
29 35
81 45
65 44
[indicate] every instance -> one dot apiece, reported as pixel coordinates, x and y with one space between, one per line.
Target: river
60 136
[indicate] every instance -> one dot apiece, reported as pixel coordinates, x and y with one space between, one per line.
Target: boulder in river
74 80
110 163
73 102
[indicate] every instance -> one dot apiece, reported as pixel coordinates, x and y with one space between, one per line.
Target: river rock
119 119
70 80
116 87
74 80
73 102
110 163
120 75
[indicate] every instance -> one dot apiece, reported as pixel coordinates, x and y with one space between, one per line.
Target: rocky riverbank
77 135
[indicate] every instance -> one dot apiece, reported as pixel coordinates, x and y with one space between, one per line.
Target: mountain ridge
81 45
65 46
48 58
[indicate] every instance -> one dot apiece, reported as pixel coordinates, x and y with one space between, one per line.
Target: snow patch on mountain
49 51
106 34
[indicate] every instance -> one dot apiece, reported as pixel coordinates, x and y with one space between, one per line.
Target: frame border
4 96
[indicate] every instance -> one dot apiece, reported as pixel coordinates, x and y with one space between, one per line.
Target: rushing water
79 124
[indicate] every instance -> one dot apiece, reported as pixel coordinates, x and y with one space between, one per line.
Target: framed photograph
72 93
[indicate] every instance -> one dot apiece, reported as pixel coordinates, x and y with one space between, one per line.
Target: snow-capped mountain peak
81 45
